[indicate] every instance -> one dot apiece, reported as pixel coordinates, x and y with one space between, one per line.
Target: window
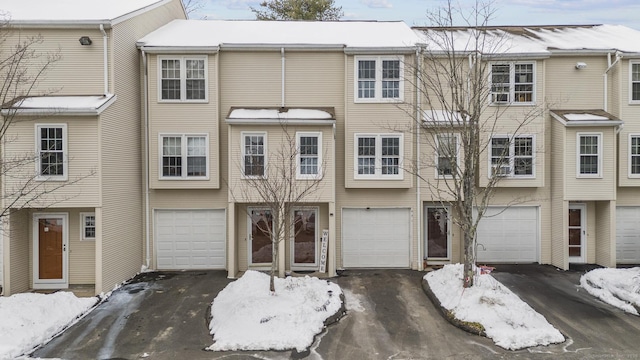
512 156
447 158
180 150
378 79
589 151
512 83
189 84
634 155
378 156
51 148
253 154
634 82
88 226
309 160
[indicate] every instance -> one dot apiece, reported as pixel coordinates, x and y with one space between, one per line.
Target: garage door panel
190 239
628 235
508 235
376 238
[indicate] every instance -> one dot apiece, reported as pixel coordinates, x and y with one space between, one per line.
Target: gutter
418 125
145 92
283 70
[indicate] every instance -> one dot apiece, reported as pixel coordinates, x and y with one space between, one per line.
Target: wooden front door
50 248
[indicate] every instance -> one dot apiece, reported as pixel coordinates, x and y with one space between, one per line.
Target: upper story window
589 161
378 156
183 78
634 81
88 226
512 156
254 154
447 154
512 83
51 140
184 157
634 155
309 155
378 79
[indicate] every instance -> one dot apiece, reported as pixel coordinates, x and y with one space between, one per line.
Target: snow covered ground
507 320
28 320
246 316
618 287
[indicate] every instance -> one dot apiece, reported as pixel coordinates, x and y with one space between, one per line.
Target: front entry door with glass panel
577 233
260 229
305 238
437 232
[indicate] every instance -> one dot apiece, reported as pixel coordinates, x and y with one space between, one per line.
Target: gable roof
213 34
74 12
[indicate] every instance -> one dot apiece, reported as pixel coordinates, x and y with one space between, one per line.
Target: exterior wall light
85 40
581 65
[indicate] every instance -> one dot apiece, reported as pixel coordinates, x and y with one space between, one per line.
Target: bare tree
466 100
192 6
318 10
276 187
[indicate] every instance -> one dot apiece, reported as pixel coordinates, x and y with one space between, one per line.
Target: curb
448 315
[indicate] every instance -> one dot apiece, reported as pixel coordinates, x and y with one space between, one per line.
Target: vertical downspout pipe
419 221
145 91
283 71
105 58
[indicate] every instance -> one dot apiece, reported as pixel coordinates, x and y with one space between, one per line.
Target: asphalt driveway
164 316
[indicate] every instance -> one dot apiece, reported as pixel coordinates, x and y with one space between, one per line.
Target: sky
413 12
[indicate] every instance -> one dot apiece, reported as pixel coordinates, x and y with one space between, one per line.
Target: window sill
183 178
161 101
497 104
51 178
378 101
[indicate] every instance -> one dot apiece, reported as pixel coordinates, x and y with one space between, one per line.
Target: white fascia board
517 56
279 122
135 13
61 24
178 49
380 50
88 111
278 47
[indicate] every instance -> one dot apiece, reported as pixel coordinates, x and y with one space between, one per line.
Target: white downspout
421 256
105 57
145 92
283 71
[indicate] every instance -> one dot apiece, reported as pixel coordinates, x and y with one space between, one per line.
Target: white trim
318 174
378 79
183 78
598 135
511 156
425 225
631 101
436 136
630 155
65 153
378 157
315 264
244 134
183 148
83 224
511 101
62 283
583 233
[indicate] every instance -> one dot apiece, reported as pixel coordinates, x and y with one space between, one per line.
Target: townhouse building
215 104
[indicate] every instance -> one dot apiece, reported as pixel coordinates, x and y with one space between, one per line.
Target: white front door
50 251
577 232
304 239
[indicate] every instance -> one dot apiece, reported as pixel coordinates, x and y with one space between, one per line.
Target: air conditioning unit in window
502 170
500 98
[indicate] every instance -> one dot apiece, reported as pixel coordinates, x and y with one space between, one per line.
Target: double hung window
378 156
634 81
378 79
512 156
309 155
254 154
183 79
88 226
51 143
447 158
184 156
634 155
589 155
512 83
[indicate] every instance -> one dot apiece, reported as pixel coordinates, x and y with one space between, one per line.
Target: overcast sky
508 12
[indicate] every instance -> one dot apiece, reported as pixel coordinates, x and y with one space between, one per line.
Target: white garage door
508 235
376 238
190 239
628 235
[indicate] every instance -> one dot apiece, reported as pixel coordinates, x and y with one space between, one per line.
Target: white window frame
378 79
599 154
630 155
437 155
316 231
378 157
243 135
299 174
65 153
83 226
183 78
631 64
512 83
511 157
184 155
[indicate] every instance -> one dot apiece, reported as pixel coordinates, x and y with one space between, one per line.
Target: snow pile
618 287
28 320
507 320
246 316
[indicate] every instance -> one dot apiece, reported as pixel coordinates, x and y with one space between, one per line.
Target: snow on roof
584 117
211 33
71 11
61 105
293 113
441 117
536 39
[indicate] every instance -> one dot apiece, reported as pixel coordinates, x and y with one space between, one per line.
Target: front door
305 238
577 233
50 251
437 232
260 230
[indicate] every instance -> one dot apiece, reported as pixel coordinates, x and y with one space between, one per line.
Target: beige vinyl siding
570 88
82 185
82 253
559 207
605 246
176 118
580 188
315 80
249 79
121 167
593 230
630 114
77 69
20 269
